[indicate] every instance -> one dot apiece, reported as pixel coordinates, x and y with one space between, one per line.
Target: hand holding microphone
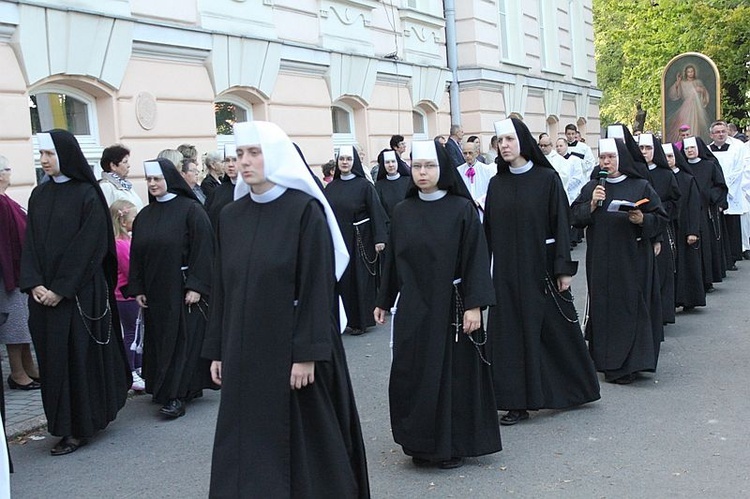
597 197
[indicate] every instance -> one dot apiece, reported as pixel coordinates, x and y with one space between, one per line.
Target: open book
620 205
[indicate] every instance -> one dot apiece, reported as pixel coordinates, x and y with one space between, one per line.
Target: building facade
154 74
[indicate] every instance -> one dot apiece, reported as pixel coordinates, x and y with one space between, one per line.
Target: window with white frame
420 127
510 24
548 35
55 106
342 117
227 112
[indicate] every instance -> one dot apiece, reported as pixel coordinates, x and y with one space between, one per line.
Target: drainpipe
452 53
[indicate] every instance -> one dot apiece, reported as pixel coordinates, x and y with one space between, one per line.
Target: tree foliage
634 40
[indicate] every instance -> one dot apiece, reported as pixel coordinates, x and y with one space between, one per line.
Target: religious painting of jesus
690 96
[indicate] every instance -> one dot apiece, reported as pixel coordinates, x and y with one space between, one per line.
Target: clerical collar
166 197
271 194
521 169
676 170
573 144
720 148
348 176
652 166
432 196
616 180
693 160
395 176
60 179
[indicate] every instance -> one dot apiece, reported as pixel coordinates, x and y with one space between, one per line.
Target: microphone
602 180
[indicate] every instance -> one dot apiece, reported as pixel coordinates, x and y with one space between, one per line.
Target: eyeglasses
5 170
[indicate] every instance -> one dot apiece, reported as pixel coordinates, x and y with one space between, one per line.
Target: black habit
69 248
363 223
624 326
274 305
539 356
219 198
689 287
171 253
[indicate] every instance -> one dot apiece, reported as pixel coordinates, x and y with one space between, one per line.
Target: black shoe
624 380
687 309
513 417
173 409
746 254
421 463
710 289
32 385
67 445
733 267
452 463
357 332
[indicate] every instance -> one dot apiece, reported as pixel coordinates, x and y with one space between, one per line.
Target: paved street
679 433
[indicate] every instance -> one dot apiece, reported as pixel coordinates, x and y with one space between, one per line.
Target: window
57 106
342 118
510 23
420 125
58 110
228 111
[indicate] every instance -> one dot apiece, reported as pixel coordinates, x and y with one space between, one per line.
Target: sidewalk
23 409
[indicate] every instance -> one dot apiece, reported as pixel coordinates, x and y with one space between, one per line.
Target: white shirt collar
60 179
616 180
676 170
271 194
395 176
521 169
166 197
693 161
652 166
432 196
347 177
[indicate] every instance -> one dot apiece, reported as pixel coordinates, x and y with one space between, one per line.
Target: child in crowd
123 213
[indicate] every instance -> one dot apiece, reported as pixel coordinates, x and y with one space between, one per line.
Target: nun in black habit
171 254
713 188
665 184
69 269
622 132
364 226
539 356
624 327
393 180
689 290
440 392
287 424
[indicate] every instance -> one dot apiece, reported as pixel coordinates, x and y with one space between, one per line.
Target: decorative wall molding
243 62
351 75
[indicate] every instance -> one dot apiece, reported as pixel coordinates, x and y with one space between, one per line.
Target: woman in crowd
440 393
115 165
539 357
624 324
393 180
69 269
170 274
363 224
689 290
14 313
214 171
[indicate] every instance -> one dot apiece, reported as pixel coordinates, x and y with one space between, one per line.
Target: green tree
634 40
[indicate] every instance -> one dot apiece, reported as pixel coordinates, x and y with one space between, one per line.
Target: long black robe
353 201
539 356
713 191
171 253
689 278
624 327
274 303
665 185
392 192
84 383
219 198
440 391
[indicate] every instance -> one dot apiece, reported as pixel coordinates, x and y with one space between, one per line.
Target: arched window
342 117
420 127
56 106
228 111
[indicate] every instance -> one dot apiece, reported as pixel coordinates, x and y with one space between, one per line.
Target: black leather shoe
173 409
357 332
453 463
733 267
67 445
746 254
32 385
421 463
513 417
